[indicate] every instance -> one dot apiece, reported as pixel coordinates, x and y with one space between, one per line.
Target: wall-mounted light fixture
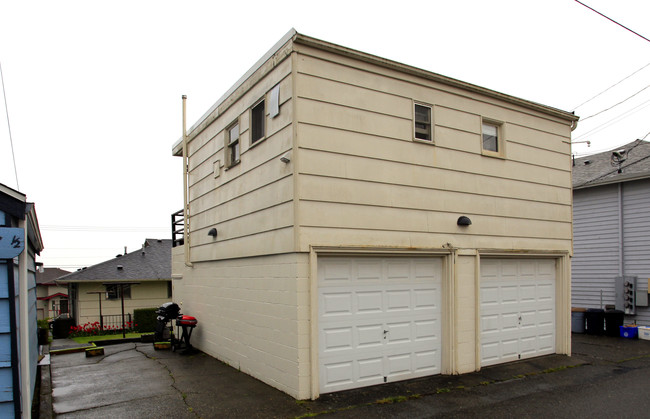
286 157
213 232
464 221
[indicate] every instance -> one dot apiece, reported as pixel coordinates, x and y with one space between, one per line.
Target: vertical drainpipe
23 299
621 236
186 192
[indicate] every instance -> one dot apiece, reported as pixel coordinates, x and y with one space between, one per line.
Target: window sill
233 165
494 154
259 140
421 141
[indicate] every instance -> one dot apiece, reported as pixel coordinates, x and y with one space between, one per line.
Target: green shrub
144 319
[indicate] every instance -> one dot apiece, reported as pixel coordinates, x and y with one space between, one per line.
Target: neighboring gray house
147 269
611 227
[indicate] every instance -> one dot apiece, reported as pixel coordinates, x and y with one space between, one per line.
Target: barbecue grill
165 315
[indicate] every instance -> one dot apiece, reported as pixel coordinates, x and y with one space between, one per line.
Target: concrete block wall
253 314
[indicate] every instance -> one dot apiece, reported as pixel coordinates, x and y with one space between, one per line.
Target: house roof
278 53
601 168
150 263
49 275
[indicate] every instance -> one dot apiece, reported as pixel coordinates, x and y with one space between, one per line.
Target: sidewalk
134 380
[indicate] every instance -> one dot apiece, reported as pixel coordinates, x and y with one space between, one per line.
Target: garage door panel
336 339
426 298
426 362
426 329
400 296
334 304
370 302
370 336
398 300
517 309
370 369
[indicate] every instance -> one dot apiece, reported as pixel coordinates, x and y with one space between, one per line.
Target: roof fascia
619 179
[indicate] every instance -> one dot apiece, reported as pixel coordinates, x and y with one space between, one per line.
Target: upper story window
422 122
492 138
232 144
257 122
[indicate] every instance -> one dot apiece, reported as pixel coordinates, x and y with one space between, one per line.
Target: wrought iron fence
114 321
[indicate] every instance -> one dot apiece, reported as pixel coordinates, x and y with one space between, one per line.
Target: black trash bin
613 319
61 327
594 321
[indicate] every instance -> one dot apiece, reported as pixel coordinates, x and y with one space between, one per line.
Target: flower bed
94 329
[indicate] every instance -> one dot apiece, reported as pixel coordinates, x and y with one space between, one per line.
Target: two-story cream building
351 221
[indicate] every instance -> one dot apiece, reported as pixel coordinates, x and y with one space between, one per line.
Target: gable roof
598 169
49 275
153 262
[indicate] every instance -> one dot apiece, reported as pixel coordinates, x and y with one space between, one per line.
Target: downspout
621 236
186 192
23 299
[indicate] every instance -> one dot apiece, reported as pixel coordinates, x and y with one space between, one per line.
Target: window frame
228 144
113 292
430 123
500 142
253 129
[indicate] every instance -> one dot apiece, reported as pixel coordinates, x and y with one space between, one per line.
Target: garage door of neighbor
379 320
517 309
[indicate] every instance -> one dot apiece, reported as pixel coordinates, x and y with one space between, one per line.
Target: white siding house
351 221
611 227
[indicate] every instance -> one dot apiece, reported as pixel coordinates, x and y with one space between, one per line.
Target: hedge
145 318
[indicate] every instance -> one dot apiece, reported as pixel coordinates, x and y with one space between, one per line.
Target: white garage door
517 309
379 320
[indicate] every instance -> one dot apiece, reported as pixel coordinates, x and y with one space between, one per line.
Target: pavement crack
173 385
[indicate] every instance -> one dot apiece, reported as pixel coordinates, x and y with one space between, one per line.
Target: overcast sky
94 87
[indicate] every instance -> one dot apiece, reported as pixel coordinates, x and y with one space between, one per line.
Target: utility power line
615 105
11 140
610 87
612 20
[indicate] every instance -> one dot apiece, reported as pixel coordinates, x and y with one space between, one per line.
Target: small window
232 145
257 122
169 289
422 122
113 291
490 137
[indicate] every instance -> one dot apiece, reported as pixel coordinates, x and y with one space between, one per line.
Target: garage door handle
385 331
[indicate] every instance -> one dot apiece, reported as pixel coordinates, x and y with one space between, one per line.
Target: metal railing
178 229
114 321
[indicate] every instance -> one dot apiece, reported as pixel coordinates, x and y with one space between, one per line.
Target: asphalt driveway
606 376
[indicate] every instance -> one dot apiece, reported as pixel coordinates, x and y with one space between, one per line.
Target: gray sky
94 87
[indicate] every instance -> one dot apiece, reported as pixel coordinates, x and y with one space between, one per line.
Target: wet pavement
606 376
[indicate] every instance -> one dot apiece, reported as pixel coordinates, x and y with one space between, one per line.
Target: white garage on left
379 320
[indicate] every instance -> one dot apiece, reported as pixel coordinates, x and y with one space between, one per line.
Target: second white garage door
517 309
379 320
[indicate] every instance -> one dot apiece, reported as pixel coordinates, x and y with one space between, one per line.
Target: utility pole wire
613 85
612 20
11 141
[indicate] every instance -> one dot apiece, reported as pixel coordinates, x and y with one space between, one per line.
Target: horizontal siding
364 181
595 261
636 228
368 76
254 199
